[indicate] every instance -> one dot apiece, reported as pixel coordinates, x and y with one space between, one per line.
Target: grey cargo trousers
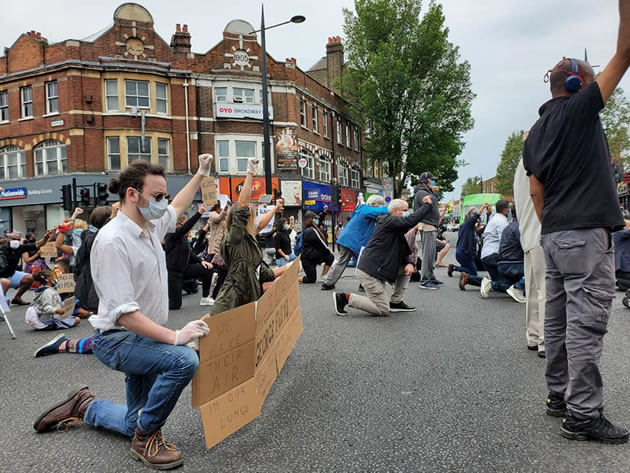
580 282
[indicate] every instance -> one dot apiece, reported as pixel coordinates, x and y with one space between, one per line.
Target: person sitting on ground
355 236
284 252
63 344
441 246
466 249
242 255
46 311
10 254
316 249
386 259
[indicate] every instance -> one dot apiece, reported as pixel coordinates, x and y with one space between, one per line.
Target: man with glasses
129 271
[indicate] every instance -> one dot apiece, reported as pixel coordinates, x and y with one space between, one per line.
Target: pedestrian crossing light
101 194
85 197
66 197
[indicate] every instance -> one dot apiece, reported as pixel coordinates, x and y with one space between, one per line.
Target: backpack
299 244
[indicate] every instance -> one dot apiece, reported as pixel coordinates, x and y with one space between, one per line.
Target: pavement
448 388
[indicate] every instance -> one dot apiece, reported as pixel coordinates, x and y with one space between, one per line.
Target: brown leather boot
154 451
71 409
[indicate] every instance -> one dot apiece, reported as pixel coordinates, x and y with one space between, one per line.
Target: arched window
50 158
12 163
309 170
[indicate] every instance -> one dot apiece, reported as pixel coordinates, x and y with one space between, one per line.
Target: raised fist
252 165
205 160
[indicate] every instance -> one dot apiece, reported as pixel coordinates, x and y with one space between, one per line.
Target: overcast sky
509 43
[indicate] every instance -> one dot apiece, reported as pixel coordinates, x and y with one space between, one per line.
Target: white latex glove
191 331
252 165
205 160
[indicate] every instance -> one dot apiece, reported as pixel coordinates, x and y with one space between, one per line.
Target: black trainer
400 307
556 406
600 430
340 302
437 282
449 271
327 287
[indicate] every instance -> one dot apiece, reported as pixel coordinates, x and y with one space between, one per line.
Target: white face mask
14 244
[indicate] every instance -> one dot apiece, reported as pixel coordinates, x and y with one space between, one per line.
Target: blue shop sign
16 193
315 196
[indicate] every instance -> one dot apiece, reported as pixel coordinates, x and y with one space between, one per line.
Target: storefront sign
241 110
235 185
11 194
291 193
348 198
316 196
287 149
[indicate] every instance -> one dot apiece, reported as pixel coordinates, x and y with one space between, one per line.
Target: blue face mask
509 213
474 211
155 209
286 226
405 214
316 221
77 232
432 183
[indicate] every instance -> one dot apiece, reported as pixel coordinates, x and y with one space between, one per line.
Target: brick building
84 109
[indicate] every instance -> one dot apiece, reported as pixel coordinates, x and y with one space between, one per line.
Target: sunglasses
158 196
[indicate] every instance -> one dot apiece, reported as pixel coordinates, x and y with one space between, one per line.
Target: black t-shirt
283 242
568 153
13 257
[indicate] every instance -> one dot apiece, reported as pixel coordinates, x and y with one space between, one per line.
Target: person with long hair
316 250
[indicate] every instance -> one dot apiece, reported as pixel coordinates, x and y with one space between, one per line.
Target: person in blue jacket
467 250
354 236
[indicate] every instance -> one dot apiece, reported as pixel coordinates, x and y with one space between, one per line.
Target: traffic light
85 197
336 197
66 197
101 194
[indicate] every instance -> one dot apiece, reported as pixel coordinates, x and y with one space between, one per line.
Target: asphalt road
448 388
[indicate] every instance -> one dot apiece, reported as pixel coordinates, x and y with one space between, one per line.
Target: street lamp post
265 98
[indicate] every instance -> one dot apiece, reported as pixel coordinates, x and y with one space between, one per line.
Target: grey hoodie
45 302
432 217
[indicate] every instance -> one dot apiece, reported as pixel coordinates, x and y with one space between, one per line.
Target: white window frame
220 98
339 133
355 178
52 97
342 174
315 117
44 149
5 153
25 101
146 155
242 96
356 139
164 160
348 138
325 123
148 96
244 158
4 106
309 170
223 159
324 169
110 153
113 96
161 100
303 113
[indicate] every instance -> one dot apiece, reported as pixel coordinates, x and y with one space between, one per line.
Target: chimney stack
180 41
334 59
290 63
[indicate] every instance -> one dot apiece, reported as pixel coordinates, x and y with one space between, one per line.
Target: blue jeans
157 374
510 274
467 265
280 262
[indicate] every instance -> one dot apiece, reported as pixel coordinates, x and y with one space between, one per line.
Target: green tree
616 120
471 186
406 84
509 160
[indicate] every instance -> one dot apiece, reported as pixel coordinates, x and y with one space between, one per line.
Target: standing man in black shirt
574 193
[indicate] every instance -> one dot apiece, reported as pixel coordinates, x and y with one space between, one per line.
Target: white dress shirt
129 270
528 222
492 235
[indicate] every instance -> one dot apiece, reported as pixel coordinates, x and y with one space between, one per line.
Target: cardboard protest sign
48 250
68 307
209 191
262 210
242 356
66 283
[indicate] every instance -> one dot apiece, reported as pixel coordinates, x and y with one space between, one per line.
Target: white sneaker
486 287
516 294
206 301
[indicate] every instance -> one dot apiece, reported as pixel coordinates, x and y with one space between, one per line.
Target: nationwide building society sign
11 194
241 110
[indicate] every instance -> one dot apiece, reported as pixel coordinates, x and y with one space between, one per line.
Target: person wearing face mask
284 252
466 249
316 249
129 272
428 231
10 254
32 259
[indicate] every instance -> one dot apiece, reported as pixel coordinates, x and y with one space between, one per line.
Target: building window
356 138
135 151
243 95
161 97
26 93
303 113
113 153
50 158
4 106
137 93
309 170
348 141
244 151
355 178
164 153
315 117
339 137
220 94
325 123
12 163
52 98
111 94
324 170
223 152
342 174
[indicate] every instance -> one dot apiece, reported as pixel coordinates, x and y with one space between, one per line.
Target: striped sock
82 346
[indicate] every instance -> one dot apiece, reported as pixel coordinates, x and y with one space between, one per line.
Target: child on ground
46 309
